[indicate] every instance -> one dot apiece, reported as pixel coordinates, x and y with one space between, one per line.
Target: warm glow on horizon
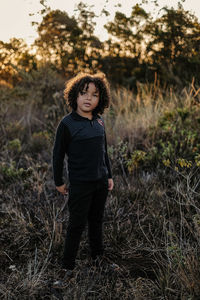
15 20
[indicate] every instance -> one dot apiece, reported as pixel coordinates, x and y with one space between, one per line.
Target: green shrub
137 157
39 141
10 173
14 146
14 130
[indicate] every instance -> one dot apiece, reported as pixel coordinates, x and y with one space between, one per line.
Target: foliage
66 42
139 47
173 45
128 31
152 223
15 145
39 141
10 173
13 53
152 216
57 37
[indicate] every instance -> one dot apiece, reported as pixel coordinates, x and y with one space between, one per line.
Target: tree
15 55
128 32
87 40
174 44
58 35
125 47
69 42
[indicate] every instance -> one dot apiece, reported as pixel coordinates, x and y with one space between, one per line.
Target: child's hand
62 189
110 184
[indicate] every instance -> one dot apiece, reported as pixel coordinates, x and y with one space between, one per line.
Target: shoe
65 277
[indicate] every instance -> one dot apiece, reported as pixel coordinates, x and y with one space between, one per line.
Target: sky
15 20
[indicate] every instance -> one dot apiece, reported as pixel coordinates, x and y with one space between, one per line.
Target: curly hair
76 85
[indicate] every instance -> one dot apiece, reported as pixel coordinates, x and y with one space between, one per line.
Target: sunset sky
16 22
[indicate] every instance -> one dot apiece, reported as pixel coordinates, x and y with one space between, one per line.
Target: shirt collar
78 117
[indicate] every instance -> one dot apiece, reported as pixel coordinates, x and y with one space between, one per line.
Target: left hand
110 184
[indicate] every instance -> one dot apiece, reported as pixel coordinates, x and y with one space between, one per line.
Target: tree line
139 47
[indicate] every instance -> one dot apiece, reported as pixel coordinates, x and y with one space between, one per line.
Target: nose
89 97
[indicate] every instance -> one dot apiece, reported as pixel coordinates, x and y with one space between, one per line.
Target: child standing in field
81 136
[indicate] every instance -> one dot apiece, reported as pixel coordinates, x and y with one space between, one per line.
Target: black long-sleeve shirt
84 142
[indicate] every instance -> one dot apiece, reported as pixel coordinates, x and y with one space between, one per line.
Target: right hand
62 189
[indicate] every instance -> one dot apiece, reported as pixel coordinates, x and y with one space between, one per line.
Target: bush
39 142
10 173
152 224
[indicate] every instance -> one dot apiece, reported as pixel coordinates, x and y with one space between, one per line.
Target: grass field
152 217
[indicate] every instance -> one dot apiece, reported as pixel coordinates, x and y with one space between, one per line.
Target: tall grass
131 114
152 222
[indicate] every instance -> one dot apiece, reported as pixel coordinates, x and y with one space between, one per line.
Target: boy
81 135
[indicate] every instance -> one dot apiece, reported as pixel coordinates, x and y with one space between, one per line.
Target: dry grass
131 115
151 224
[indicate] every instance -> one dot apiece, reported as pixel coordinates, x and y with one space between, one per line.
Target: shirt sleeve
61 143
107 161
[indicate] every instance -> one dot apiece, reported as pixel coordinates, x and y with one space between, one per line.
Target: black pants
86 204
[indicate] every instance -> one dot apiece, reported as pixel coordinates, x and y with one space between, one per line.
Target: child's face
88 100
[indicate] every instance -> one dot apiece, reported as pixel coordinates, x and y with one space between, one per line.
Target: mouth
87 104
